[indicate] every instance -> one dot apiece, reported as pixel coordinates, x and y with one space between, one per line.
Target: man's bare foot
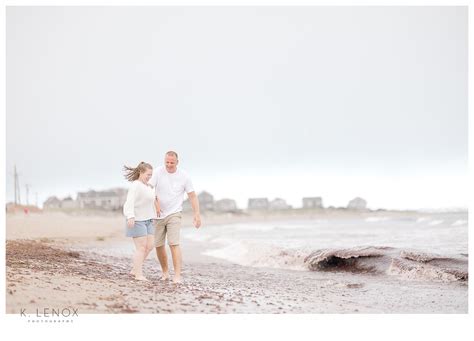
177 279
165 277
141 278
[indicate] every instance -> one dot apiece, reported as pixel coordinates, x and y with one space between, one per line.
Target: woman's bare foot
177 279
165 276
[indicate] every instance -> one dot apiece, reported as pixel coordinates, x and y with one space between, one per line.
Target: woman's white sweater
140 203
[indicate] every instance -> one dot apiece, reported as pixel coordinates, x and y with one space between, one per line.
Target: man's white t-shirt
170 189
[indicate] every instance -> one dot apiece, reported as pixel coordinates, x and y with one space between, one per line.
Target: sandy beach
58 260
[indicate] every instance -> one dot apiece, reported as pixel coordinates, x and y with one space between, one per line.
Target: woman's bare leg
139 257
150 241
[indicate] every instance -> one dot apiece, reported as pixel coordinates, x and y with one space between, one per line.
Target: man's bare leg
176 255
161 254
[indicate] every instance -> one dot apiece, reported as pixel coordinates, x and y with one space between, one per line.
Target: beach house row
109 200
207 203
113 199
307 203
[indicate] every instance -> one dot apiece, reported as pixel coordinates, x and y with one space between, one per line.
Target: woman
140 209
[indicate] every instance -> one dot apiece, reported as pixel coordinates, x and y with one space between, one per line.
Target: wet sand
60 268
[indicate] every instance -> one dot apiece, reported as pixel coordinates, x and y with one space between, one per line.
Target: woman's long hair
132 174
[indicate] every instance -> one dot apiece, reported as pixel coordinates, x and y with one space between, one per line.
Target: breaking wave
373 260
409 264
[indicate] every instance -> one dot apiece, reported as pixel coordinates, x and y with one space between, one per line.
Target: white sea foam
251 254
422 219
301 225
233 252
459 223
197 237
376 219
253 227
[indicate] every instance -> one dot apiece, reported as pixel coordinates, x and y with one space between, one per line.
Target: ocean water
426 245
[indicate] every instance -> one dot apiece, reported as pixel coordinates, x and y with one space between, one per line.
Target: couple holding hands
153 211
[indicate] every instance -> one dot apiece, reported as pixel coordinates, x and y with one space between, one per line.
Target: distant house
121 194
278 204
68 203
312 202
225 205
258 204
105 200
206 201
357 204
52 203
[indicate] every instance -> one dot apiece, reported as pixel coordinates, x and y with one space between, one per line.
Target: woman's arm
129 206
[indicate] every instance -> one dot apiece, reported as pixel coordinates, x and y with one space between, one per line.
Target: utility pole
27 194
17 186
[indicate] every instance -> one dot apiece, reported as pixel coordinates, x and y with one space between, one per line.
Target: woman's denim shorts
140 229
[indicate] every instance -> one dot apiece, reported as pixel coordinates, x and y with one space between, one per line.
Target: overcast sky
284 102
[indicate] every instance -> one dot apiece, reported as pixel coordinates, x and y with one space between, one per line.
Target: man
170 185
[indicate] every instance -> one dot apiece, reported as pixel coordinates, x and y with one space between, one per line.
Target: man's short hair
172 153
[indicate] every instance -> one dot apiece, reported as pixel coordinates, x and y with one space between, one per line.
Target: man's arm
195 205
157 207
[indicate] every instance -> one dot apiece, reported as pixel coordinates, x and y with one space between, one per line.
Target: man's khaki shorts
168 227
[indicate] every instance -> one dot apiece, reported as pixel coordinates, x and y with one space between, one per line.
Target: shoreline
53 261
46 274
91 226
